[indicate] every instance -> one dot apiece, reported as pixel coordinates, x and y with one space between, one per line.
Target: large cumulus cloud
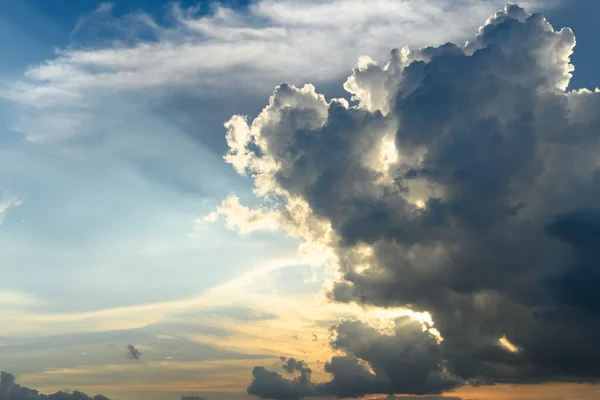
464 182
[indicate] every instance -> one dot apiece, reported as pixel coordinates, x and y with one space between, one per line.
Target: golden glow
300 329
505 343
420 203
360 268
546 391
385 320
389 153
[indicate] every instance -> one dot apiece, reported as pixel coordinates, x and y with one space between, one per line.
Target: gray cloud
407 361
9 390
486 214
133 353
291 365
271 385
392 397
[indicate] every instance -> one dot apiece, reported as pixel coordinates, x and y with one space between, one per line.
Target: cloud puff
133 353
271 385
7 202
406 361
463 183
9 390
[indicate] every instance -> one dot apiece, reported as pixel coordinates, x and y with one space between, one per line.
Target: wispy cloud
102 8
7 202
269 42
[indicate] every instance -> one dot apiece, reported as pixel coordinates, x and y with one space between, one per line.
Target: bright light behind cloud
505 343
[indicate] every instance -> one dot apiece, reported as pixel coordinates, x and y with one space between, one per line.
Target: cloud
291 365
463 183
271 385
407 361
102 8
9 390
244 219
7 202
391 397
251 46
133 353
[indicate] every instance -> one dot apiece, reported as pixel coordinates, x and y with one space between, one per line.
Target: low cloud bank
9 390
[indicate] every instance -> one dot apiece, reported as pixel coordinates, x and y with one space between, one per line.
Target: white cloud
244 219
271 41
7 202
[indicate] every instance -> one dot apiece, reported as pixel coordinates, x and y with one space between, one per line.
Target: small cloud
133 353
7 202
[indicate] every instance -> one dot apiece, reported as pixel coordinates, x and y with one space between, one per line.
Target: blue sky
111 156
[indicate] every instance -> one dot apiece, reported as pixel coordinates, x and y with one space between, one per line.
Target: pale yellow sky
291 333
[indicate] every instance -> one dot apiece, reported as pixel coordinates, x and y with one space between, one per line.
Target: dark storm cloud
488 219
133 353
407 361
291 365
9 390
271 385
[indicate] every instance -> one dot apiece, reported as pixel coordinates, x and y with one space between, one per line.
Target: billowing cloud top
464 183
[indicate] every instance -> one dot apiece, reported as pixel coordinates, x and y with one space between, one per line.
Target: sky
291 199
